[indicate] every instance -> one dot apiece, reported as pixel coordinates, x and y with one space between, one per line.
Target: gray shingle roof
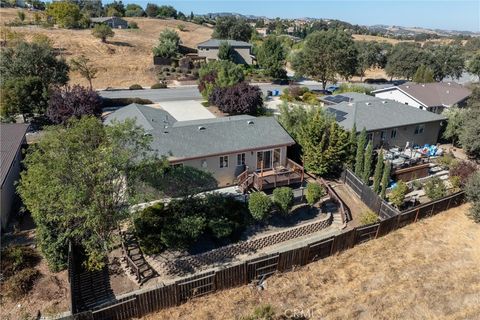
11 138
103 19
201 138
215 43
376 114
434 94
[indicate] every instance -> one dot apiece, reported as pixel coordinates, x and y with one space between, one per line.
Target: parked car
321 91
332 88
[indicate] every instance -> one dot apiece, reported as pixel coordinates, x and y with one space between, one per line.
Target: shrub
76 101
220 73
473 195
446 161
166 69
368 217
283 199
135 87
21 283
397 196
148 223
463 170
102 31
15 258
132 25
310 98
262 312
241 98
181 27
314 192
159 85
435 188
259 205
120 102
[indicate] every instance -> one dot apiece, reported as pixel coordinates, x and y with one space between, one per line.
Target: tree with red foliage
75 101
241 98
463 170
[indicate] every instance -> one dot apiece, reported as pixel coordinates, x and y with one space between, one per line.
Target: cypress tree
352 147
377 176
367 165
361 142
385 179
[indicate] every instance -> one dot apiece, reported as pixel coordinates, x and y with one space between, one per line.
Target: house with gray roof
12 138
388 123
242 51
245 150
112 22
434 97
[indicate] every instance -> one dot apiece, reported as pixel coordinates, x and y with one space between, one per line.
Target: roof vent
165 131
449 83
407 87
250 122
350 104
384 102
201 128
448 91
368 103
423 85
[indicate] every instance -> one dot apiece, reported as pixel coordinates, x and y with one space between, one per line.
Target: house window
224 162
383 135
370 137
241 159
419 129
393 134
406 103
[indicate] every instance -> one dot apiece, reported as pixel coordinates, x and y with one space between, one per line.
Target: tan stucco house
238 150
242 51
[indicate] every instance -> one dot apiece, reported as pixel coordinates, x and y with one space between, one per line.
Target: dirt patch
127 59
427 270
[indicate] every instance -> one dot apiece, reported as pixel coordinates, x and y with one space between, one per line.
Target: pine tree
367 165
385 179
352 147
361 142
377 176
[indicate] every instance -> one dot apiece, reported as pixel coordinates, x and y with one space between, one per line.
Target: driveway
186 110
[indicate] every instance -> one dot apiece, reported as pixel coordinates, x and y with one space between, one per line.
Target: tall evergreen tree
377 176
385 179
352 141
367 165
361 142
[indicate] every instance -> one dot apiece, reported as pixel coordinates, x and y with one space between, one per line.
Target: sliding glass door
264 160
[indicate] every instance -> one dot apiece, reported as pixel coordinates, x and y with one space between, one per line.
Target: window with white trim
223 161
240 159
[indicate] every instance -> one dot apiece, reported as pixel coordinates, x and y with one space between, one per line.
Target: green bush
435 188
472 190
397 196
20 283
368 217
135 87
159 85
283 199
310 98
148 224
259 205
314 192
447 161
132 25
15 258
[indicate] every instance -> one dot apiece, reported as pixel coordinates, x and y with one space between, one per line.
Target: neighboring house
112 22
434 97
12 137
253 148
242 51
388 123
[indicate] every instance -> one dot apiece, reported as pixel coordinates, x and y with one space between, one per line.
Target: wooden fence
370 198
143 302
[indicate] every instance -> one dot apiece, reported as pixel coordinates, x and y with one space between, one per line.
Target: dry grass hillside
427 270
126 59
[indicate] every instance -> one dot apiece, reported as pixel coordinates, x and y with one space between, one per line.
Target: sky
441 14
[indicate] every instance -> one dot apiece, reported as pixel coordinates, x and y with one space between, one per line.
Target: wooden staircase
134 259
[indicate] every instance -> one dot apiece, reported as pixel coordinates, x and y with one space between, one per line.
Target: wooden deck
272 178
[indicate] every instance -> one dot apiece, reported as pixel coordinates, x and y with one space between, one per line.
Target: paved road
190 92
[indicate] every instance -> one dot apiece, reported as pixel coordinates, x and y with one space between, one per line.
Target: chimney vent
250 122
201 128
